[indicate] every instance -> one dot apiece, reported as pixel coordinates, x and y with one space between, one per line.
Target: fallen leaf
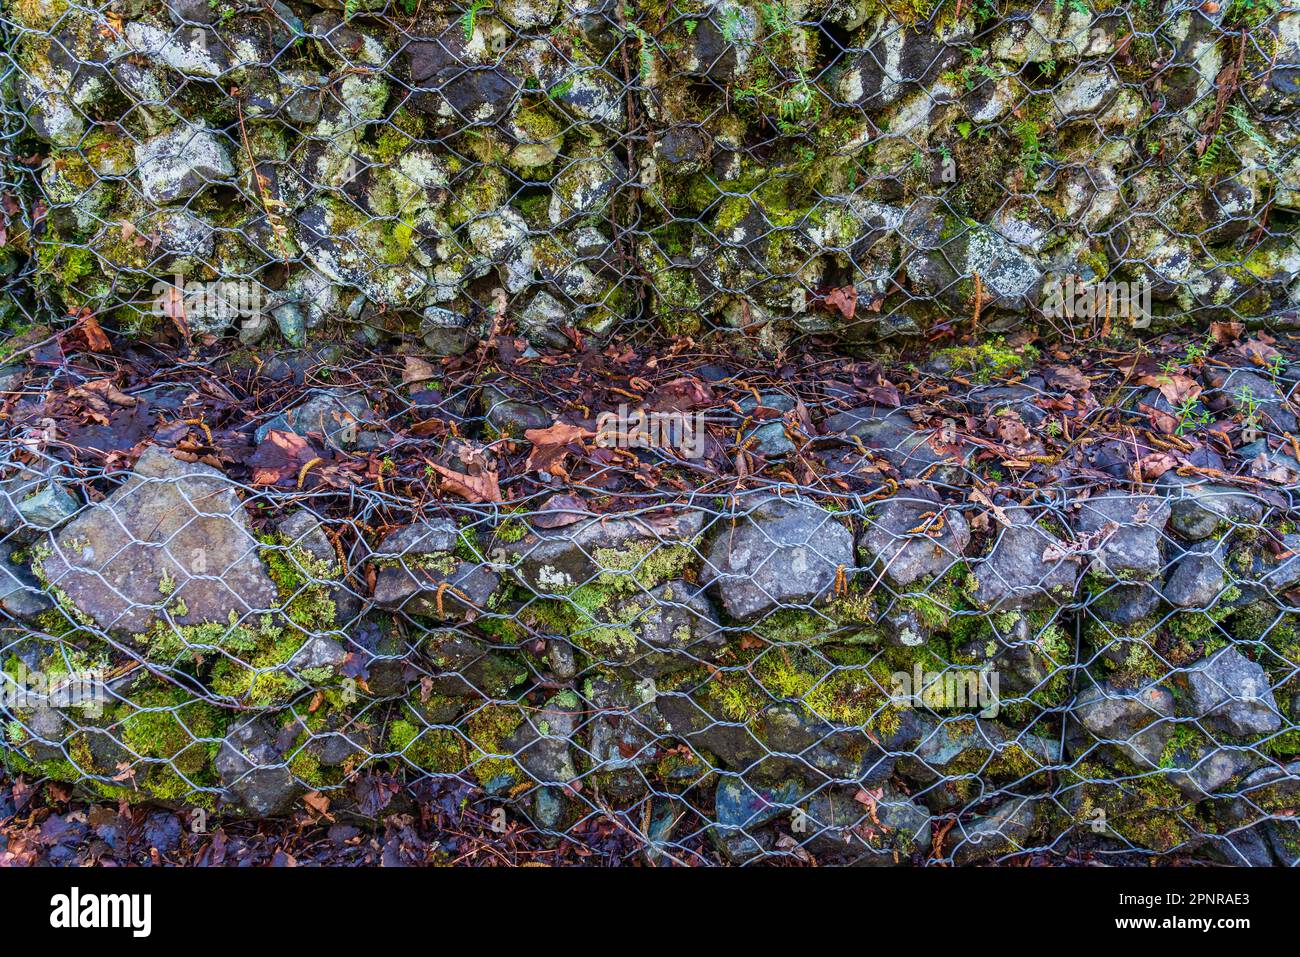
482 487
417 370
845 299
560 510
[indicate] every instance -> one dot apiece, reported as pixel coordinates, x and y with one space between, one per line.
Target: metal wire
234 584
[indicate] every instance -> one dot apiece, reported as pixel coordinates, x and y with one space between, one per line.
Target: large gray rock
191 51
429 581
177 164
21 595
625 725
897 59
541 745
1286 573
254 772
174 534
888 829
893 436
1231 694
741 809
644 548
1203 770
778 553
1024 568
1004 830
670 627
1200 509
1131 528
907 555
1198 579
1134 720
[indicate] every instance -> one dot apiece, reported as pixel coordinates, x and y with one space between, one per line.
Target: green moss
511 532
303 583
1143 809
435 750
644 563
845 685
487 728
989 360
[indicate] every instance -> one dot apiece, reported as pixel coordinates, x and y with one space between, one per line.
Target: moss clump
180 734
846 685
302 582
1144 809
644 563
433 750
593 617
989 360
488 728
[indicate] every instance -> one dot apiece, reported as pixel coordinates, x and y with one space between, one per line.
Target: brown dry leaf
560 510
1174 386
96 340
481 487
1225 332
998 512
1259 350
280 457
551 447
1162 422
845 299
1068 378
561 433
318 803
417 370
1151 467
681 394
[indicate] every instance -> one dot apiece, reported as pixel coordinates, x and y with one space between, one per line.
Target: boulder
1134 720
915 539
1024 568
254 772
1200 509
1231 694
778 552
649 548
177 164
1130 529
174 534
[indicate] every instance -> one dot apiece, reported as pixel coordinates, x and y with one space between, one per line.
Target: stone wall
839 169
257 550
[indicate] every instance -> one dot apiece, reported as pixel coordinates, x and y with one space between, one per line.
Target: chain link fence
737 609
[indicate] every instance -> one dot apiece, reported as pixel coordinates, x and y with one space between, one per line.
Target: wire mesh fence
884 670
739 611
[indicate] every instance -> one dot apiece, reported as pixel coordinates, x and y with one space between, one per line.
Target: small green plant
732 25
1191 416
1027 132
1249 404
469 17
776 18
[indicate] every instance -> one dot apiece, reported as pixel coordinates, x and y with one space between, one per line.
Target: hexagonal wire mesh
886 659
